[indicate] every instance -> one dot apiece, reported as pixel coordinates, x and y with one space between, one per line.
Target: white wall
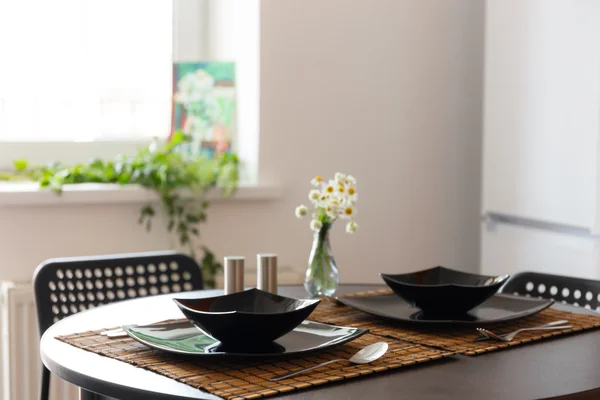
388 90
542 96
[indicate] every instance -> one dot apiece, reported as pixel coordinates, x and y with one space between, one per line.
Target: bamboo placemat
248 378
457 339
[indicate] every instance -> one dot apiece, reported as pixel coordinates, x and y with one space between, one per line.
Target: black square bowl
249 318
443 291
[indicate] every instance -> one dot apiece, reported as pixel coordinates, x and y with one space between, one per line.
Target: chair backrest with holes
566 289
65 286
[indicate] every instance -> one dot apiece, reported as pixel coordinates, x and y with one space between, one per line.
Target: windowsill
19 194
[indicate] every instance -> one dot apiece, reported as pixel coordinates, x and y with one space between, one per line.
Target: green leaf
184 239
177 138
193 219
148 210
20 165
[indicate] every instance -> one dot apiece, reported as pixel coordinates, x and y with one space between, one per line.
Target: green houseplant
180 180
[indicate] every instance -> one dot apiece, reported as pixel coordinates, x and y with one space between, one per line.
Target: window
85 70
93 78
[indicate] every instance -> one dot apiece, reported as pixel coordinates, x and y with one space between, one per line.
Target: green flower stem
322 254
322 272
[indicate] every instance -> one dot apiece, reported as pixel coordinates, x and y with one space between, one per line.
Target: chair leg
45 388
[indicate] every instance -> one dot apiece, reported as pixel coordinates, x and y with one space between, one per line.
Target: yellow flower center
351 191
348 211
341 189
330 189
318 179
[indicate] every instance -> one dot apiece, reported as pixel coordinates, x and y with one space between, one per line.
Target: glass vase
322 277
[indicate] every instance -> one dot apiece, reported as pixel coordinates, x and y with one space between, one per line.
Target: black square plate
498 308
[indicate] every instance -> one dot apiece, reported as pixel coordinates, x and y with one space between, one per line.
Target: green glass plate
183 338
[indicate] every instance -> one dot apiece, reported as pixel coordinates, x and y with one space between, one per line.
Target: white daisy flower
351 227
330 188
351 194
301 211
332 211
324 199
314 195
336 203
316 225
339 177
348 212
316 181
350 180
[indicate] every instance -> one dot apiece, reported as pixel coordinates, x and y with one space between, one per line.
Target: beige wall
388 90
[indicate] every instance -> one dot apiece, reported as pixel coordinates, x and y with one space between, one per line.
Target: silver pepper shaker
266 265
234 274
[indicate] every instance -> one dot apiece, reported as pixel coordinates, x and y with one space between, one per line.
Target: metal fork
511 336
514 333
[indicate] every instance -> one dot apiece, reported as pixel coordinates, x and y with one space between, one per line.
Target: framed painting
204 105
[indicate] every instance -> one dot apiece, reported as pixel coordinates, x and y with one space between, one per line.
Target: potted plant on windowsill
180 180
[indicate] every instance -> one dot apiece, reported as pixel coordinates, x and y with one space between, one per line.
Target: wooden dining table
561 368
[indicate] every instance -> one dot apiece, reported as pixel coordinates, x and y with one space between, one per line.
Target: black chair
65 286
566 289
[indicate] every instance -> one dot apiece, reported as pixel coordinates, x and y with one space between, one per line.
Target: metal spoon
368 354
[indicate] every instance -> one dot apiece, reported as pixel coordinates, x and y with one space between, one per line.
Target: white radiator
20 364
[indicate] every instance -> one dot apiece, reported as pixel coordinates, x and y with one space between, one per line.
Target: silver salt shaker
266 265
234 274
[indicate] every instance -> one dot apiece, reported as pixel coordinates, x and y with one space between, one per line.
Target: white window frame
196 31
